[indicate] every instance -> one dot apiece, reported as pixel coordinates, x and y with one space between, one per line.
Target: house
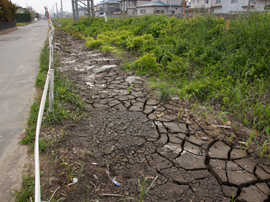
226 6
129 6
262 5
109 7
160 7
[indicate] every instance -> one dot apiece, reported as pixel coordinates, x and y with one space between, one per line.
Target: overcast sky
38 5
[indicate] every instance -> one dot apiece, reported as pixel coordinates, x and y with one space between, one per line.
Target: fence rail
49 80
6 25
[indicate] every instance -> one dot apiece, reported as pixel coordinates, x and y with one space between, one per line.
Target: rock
252 194
219 150
189 161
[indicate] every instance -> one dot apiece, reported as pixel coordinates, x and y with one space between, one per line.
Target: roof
158 4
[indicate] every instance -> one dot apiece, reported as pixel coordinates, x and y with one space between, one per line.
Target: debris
155 107
220 126
205 138
96 177
160 115
241 142
115 182
229 123
52 194
75 180
116 195
94 163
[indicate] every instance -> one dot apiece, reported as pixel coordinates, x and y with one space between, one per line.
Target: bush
7 11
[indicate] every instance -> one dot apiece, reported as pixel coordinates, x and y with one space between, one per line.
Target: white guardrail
49 79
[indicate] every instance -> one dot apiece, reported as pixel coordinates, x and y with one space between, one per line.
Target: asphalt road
19 64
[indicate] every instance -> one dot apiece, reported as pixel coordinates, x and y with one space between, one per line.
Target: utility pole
77 11
248 6
62 9
88 8
183 6
73 9
56 10
92 8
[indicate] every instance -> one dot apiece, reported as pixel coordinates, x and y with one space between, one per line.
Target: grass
143 189
201 59
20 24
27 190
65 95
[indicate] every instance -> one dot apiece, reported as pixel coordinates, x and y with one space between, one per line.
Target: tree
8 11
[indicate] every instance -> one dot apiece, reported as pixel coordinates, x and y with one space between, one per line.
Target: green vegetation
143 189
27 190
7 11
206 59
22 23
65 97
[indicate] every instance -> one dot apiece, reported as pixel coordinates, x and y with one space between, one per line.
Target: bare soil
129 135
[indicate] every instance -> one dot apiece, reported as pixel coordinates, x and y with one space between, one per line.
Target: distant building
228 6
109 7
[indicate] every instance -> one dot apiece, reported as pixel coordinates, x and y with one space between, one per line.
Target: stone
174 139
170 150
252 194
152 102
218 168
190 161
238 154
219 150
238 176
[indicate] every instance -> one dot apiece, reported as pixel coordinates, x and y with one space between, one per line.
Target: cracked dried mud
193 159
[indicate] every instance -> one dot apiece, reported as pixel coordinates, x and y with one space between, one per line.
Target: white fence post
51 90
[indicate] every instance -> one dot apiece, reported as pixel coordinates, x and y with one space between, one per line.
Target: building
227 6
109 7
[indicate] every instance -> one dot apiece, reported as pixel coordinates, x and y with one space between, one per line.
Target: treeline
7 11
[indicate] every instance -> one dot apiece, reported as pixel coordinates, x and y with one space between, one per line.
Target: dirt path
193 159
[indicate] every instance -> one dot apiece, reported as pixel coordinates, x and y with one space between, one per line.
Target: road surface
19 64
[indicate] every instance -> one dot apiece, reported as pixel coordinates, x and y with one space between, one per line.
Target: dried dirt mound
131 134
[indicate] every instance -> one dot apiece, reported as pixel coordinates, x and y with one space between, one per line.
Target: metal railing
6 25
49 79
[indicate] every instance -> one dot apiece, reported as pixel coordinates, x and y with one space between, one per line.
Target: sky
38 5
